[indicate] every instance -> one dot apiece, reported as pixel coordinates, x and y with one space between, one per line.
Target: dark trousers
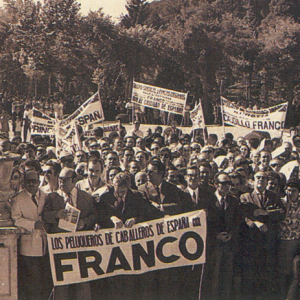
34 277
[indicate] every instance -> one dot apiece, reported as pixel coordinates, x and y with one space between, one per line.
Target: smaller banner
267 119
159 98
106 130
159 244
41 123
197 117
88 113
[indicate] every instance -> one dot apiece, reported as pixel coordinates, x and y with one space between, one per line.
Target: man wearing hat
66 159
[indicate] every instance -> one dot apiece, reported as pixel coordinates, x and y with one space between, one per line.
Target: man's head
134 167
129 141
51 171
142 158
236 183
121 183
155 149
260 181
30 151
222 183
140 143
172 175
155 171
31 182
192 177
67 180
66 159
112 159
292 189
140 178
212 139
95 169
264 158
128 155
80 156
137 125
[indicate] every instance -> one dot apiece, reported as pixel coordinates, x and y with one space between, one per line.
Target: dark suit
221 255
134 206
259 249
170 196
87 205
54 202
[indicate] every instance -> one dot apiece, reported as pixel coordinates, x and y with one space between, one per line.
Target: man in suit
122 207
262 212
93 185
223 221
162 194
54 210
27 206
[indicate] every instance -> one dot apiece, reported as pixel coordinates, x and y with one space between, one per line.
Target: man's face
275 165
265 158
292 193
94 173
111 160
231 158
41 152
112 174
204 175
273 185
165 157
67 161
140 178
80 157
140 143
191 178
260 181
29 153
32 182
140 157
66 182
154 175
154 150
186 151
118 144
179 163
241 141
235 186
120 191
223 186
196 149
134 167
49 175
129 142
128 156
172 176
209 153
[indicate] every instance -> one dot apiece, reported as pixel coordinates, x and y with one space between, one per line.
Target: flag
197 117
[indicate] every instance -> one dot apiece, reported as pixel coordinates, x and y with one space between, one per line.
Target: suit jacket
54 202
170 196
134 206
275 207
24 214
84 185
205 197
219 220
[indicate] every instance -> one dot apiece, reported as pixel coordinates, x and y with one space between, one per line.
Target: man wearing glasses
51 173
262 212
223 221
54 210
26 211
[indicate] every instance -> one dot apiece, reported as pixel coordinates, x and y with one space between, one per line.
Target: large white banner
268 119
159 244
159 98
88 113
41 123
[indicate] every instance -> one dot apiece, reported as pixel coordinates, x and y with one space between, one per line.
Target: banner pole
222 112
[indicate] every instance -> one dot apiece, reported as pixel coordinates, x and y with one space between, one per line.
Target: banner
106 130
159 244
159 98
197 117
269 119
88 113
41 123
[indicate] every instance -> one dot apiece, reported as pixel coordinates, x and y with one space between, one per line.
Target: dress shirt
72 195
196 191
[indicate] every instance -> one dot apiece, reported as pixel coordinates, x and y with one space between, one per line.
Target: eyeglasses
192 175
64 179
48 172
32 181
225 182
153 149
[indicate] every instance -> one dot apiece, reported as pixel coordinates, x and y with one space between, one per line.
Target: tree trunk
49 84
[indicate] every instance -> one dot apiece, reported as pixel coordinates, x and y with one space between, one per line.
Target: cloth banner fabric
88 113
159 98
41 123
197 117
158 244
267 119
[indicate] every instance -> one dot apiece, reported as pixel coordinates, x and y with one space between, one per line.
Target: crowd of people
249 188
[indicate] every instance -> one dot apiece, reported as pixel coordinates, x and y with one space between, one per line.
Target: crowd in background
249 187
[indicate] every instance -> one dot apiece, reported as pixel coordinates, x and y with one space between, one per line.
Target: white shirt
196 191
73 196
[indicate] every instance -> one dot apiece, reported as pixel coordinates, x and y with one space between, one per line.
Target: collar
219 197
73 193
30 195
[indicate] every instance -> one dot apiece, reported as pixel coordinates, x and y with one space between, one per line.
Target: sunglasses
48 172
225 182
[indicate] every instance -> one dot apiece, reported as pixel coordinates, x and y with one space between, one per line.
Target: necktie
223 203
34 200
194 197
69 199
158 193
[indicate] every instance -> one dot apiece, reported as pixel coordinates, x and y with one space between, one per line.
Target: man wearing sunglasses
223 220
26 211
54 210
51 173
